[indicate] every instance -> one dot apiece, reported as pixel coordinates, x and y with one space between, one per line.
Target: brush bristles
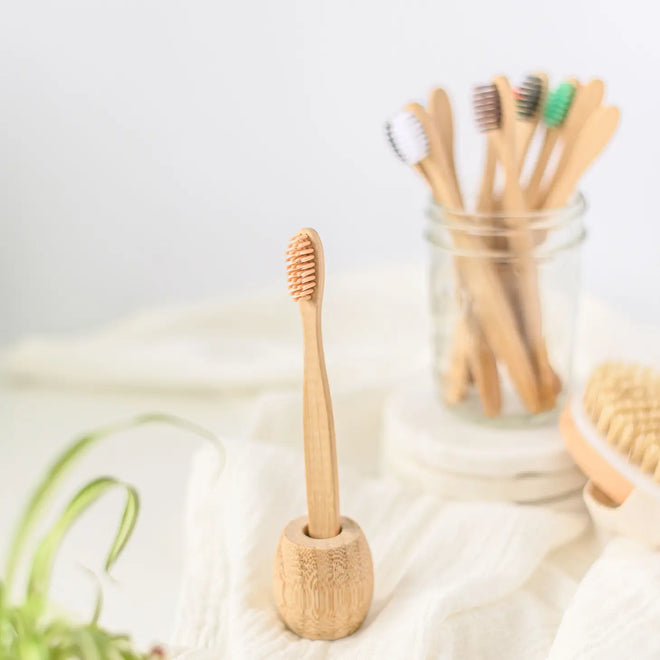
301 267
487 107
528 97
558 104
407 138
623 401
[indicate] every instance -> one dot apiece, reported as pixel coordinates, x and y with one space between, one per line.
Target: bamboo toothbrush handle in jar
491 304
587 100
526 127
522 243
590 142
470 354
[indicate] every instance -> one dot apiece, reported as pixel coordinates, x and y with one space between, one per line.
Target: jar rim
538 218
564 223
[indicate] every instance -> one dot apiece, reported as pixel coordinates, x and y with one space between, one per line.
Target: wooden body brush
613 431
322 572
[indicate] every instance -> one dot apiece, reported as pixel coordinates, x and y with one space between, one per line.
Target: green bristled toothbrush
554 113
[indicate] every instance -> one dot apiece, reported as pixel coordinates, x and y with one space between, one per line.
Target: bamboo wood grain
458 376
470 355
550 138
604 475
525 128
439 108
483 367
522 243
318 421
585 103
592 139
491 304
323 578
486 188
323 587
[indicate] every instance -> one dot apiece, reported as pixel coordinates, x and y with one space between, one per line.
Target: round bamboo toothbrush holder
476 357
323 587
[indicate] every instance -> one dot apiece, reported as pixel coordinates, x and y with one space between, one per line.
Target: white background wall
163 151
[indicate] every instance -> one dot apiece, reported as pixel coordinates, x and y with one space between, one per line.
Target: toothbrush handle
533 192
318 431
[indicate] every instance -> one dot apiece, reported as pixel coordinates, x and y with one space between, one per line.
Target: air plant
30 630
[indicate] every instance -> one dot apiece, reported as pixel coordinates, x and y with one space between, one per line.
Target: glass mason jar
504 295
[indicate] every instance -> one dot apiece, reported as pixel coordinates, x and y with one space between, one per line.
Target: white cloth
376 329
615 611
454 580
638 517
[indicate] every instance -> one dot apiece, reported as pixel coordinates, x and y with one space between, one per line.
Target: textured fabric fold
445 571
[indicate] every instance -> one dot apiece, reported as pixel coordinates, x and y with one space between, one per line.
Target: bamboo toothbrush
529 100
554 114
470 355
439 108
305 269
458 375
613 431
587 101
322 572
494 112
414 140
590 142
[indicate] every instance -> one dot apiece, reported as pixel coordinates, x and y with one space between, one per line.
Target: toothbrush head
558 103
528 97
487 107
407 138
301 266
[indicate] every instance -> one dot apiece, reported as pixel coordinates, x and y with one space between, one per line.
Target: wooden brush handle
533 192
521 241
469 353
491 305
591 141
525 130
483 367
586 101
485 199
318 421
482 361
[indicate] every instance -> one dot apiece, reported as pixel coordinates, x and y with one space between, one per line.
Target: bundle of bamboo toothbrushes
503 325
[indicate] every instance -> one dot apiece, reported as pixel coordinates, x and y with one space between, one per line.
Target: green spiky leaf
58 470
44 558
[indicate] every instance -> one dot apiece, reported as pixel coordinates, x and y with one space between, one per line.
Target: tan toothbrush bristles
592 139
305 270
